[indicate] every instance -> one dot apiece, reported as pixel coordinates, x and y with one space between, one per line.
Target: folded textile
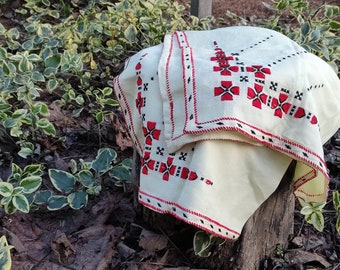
217 116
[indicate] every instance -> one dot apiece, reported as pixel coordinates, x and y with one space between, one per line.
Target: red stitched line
187 210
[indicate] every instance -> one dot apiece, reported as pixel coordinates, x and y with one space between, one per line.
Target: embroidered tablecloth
217 116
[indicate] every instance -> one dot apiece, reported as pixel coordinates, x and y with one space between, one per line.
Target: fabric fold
217 116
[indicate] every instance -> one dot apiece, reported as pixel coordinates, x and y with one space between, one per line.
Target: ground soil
108 234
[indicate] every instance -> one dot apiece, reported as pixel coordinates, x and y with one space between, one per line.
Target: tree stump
266 230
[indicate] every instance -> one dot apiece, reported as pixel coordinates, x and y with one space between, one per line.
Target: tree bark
266 231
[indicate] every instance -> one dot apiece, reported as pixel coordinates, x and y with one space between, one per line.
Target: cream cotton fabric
217 116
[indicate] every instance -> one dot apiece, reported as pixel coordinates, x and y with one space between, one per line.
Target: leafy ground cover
62 120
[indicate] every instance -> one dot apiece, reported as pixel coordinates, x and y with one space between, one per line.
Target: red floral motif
226 69
167 168
227 90
147 163
139 102
260 71
150 132
280 105
257 95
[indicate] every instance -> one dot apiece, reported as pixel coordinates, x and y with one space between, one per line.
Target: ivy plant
204 242
5 254
317 30
336 203
18 191
83 180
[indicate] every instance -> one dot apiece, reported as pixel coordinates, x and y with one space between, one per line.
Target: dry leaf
151 241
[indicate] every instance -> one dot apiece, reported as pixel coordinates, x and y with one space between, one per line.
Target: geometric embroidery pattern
227 90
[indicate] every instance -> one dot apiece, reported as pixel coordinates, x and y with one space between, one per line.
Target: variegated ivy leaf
86 178
103 160
31 183
61 180
42 196
56 202
21 203
6 189
77 200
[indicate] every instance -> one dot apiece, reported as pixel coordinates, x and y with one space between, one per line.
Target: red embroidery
260 71
227 90
280 106
225 68
147 163
150 132
138 66
167 168
257 95
140 101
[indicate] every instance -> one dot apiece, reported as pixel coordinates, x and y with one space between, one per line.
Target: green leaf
31 183
86 178
107 91
100 117
317 220
111 102
202 244
77 199
52 84
25 65
305 28
334 25
17 191
6 200
5 68
56 202
46 126
127 162
34 57
103 160
5 254
50 71
3 53
315 35
61 180
13 33
21 203
5 106
37 77
42 196
120 173
10 208
9 123
43 123
130 33
25 152
337 224
32 169
53 61
6 189
94 190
